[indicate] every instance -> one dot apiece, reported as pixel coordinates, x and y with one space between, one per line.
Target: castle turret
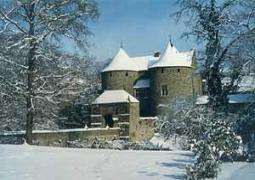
120 73
173 76
130 74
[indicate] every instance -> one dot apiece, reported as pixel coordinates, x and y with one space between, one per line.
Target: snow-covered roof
232 99
123 62
241 98
142 83
172 57
247 83
114 96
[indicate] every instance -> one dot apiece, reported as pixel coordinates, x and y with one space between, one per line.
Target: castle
136 87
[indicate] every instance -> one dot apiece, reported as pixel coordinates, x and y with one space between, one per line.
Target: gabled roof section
115 96
172 57
122 62
142 83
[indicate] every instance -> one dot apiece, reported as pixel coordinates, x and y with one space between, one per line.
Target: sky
143 26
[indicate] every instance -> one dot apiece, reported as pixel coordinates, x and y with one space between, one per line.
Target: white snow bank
41 163
56 131
237 171
170 143
232 99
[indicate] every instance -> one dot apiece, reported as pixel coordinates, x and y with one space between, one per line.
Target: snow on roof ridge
172 57
122 62
114 96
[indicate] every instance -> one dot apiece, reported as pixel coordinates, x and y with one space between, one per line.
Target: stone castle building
138 86
154 80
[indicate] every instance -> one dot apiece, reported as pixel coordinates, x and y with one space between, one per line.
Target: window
126 73
162 70
178 70
110 74
141 93
164 91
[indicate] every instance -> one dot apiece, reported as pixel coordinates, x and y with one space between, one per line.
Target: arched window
126 73
178 70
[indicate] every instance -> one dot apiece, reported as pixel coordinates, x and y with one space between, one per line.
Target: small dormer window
162 70
126 73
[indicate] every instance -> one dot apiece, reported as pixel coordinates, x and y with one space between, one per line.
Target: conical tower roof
123 62
172 57
118 62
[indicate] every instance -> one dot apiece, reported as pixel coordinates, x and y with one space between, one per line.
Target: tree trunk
30 76
217 96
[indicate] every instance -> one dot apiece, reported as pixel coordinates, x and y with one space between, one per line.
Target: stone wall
115 80
180 82
119 112
140 129
124 114
135 111
46 138
144 129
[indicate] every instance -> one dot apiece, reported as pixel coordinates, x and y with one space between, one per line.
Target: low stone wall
144 129
46 138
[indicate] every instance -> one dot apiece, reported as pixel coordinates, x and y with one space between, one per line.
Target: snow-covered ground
237 171
23 162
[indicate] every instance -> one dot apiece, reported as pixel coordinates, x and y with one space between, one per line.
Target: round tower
173 77
119 74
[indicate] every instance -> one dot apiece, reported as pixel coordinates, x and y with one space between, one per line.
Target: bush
115 144
75 115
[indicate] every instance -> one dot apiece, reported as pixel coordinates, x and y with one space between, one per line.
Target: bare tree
42 25
221 26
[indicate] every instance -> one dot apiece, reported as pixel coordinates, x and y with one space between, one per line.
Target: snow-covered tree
38 29
221 26
209 134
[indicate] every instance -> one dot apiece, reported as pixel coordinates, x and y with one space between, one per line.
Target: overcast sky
144 27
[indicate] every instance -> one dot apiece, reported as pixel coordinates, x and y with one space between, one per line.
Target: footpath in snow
25 162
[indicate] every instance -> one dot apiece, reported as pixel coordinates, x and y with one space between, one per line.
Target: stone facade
123 115
175 82
120 80
179 82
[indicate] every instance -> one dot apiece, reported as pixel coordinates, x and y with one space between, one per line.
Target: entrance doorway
109 120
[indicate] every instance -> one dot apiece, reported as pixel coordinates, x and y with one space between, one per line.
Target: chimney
157 54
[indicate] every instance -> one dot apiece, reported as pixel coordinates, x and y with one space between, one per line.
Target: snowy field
22 162
237 171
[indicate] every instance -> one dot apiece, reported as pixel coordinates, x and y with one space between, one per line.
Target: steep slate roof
142 83
170 57
115 96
